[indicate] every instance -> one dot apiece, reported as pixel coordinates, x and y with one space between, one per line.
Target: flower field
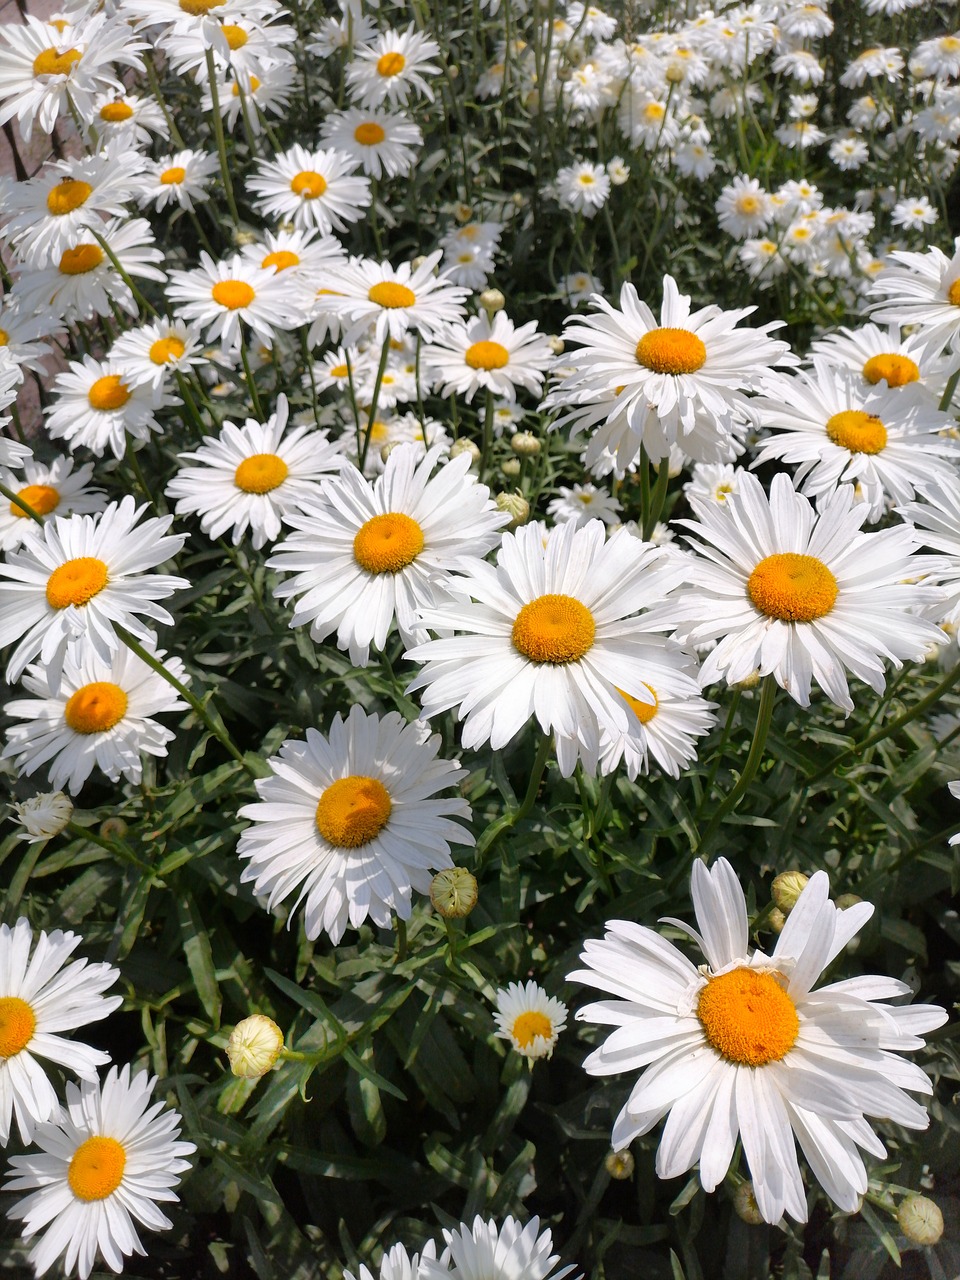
479 590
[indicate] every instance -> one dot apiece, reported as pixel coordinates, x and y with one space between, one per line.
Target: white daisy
41 996
937 522
921 289
744 208
396 1264
743 1047
311 189
254 96
19 334
219 295
368 554
105 1165
582 503
98 406
383 143
365 293
153 351
391 67
127 119
882 356
583 187
354 821
76 577
492 354
44 815
180 178
713 482
49 487
485 1251
529 1018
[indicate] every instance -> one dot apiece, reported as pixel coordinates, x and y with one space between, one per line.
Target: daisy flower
582 503
744 208
937 522
384 144
104 1165
583 187
303 257
264 94
44 815
98 406
914 213
310 189
366 555
668 729
882 357
219 295
248 42
529 1018
102 715
713 482
364 293
802 594
75 578
922 289
550 632
744 1047
354 821
492 354
579 288
179 178
41 996
19 334
152 352
248 477
127 119
53 486
391 67
485 1251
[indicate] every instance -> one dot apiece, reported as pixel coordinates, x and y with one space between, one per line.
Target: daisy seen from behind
106 1165
353 822
529 1018
485 1251
44 993
744 1047
490 354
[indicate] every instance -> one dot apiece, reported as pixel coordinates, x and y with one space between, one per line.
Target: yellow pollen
260 473
486 355
42 497
747 204
4 338
671 351
953 293
17 1025
51 63
235 36
554 628
644 711
388 293
76 582
379 431
80 259
793 588
232 294
748 1017
529 1025
654 111
895 370
857 431
352 811
108 393
170 177
391 64
197 8
67 196
166 349
369 134
308 183
254 86
280 260
387 543
339 371
96 1169
96 707
115 112
59 25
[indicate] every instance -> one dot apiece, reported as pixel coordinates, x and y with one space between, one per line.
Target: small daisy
152 352
49 487
354 821
744 208
256 97
667 730
384 144
104 1165
311 189
180 178
530 1019
582 503
579 287
914 213
98 406
713 482
485 1251
248 477
127 119
391 67
76 577
219 295
583 187
44 815
365 293
41 996
490 354
101 716
922 289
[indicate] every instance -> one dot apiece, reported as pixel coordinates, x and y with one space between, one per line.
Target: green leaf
199 955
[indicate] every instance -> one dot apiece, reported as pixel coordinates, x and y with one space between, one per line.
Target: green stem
25 507
138 472
221 140
949 389
175 133
117 850
401 941
372 416
251 385
508 820
768 697
487 434
124 275
656 498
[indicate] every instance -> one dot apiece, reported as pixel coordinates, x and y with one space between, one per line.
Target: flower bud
745 1205
462 212
388 448
787 888
847 900
45 815
776 920
242 238
619 1165
454 892
751 681
113 829
465 446
920 1220
516 506
418 261
254 1046
555 344
510 467
492 300
525 444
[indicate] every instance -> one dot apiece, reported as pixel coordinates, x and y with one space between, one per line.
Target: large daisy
922 289
312 189
744 1047
364 294
218 295
354 822
392 67
937 521
493 355
45 488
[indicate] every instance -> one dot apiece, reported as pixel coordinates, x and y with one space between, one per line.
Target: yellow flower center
654 111
857 431
391 64
894 370
76 582
308 183
748 1017
17 1025
671 351
4 337
747 204
67 196
115 112
254 86
281 259
170 177
232 294
260 473
42 497
387 543
339 371
953 293
96 707
352 811
96 1169
197 8
166 349
390 294
369 134
235 36
792 587
644 711
108 393
529 1025
554 629
486 355
51 63
80 259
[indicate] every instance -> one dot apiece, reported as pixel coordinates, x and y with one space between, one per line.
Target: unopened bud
45 815
465 446
510 467
619 1165
516 506
745 1205
920 1220
525 444
453 72
749 682
418 262
555 344
113 828
242 238
847 900
787 888
453 892
776 919
492 300
388 448
254 1046
462 212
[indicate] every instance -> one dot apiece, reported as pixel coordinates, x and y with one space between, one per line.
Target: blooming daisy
354 821
127 119
713 482
579 288
99 406
304 258
882 356
937 522
485 1251
46 487
368 554
76 577
180 178
219 295
19 334
152 352
922 289
801 593
583 187
104 1165
391 67
253 96
248 477
530 1019
100 716
492 354
744 208
311 189
383 143
249 40
364 293
744 1047
550 632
